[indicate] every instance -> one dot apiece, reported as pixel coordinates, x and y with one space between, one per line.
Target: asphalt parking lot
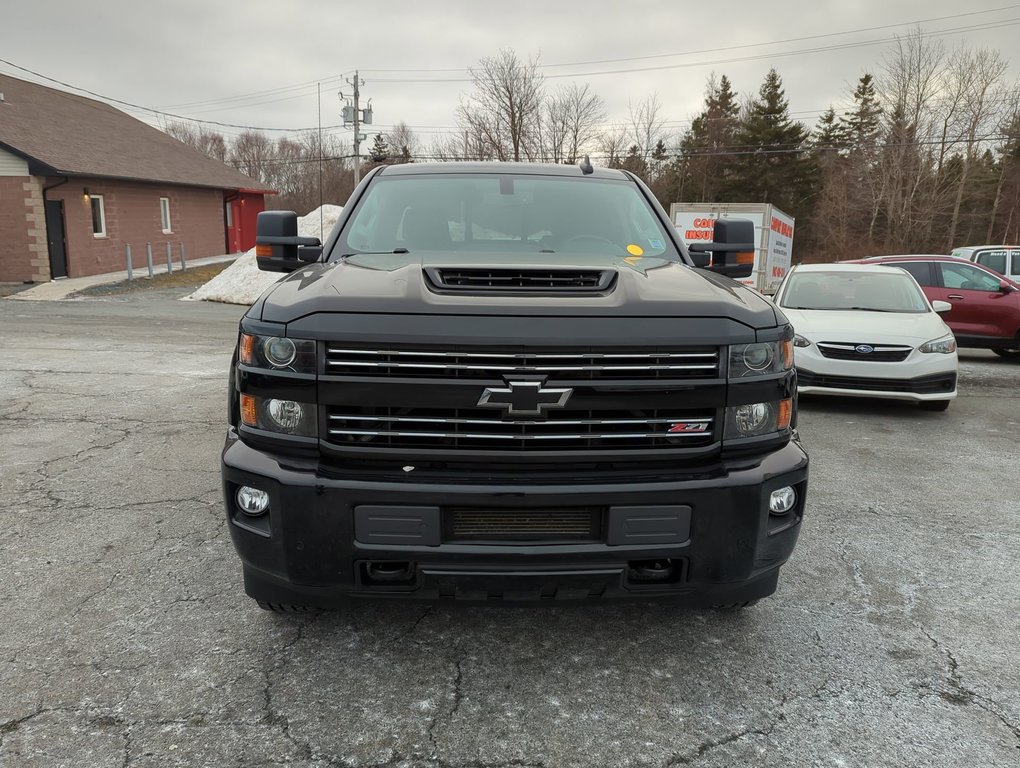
126 638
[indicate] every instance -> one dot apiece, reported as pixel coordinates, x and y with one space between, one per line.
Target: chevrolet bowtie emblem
524 398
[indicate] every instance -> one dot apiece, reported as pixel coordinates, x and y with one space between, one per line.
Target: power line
729 47
156 111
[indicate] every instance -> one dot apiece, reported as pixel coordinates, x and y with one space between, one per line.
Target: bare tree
570 122
404 143
252 153
978 76
209 143
503 112
612 146
647 126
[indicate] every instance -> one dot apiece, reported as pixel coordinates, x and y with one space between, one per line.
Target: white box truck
773 232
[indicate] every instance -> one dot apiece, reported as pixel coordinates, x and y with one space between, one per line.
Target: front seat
426 229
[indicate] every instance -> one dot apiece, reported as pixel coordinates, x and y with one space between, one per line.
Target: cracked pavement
126 638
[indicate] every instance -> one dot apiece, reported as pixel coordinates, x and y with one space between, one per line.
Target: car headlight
800 341
944 345
756 419
761 358
287 417
277 353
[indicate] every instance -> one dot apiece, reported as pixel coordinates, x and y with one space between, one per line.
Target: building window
98 216
164 214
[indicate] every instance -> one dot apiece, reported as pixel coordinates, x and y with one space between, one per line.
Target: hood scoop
519 280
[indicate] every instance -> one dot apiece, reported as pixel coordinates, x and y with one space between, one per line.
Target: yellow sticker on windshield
635 250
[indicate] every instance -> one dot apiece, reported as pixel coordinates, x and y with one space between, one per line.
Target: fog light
782 501
286 415
751 418
252 501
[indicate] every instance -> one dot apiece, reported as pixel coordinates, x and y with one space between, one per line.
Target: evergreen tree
708 144
772 164
380 151
862 126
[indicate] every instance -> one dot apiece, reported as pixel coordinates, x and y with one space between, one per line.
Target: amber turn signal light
264 251
246 350
786 347
745 257
249 414
784 416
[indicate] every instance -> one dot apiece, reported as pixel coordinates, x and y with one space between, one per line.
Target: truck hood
396 283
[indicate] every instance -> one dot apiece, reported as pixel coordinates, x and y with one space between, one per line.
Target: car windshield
508 214
866 291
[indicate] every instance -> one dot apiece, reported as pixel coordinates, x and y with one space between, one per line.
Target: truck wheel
934 405
282 608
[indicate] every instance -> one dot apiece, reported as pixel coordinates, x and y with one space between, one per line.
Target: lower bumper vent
515 525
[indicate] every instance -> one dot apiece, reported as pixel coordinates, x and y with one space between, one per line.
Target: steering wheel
592 239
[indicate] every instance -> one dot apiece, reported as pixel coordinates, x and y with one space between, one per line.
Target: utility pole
353 114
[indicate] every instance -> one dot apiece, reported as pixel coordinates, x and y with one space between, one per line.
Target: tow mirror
278 247
941 306
731 251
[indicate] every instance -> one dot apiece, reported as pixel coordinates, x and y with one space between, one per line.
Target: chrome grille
695 363
881 353
476 429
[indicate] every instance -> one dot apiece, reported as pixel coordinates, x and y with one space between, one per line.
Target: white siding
11 165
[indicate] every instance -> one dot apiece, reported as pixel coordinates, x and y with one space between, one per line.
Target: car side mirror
278 247
731 251
941 307
1006 287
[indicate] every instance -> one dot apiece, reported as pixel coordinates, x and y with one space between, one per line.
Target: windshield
895 291
507 214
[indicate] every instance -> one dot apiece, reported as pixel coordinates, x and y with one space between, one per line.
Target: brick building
80 180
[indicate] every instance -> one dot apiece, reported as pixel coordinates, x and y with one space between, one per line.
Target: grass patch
192 277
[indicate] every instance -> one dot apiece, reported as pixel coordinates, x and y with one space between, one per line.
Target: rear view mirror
278 247
941 306
731 251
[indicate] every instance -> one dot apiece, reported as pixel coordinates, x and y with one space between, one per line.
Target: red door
981 309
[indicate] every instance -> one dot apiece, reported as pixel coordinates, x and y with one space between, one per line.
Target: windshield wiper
873 309
373 253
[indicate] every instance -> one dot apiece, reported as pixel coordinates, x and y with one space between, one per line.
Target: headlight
800 341
945 345
761 358
277 353
288 417
756 419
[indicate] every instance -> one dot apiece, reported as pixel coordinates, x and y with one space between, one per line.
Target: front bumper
311 547
919 378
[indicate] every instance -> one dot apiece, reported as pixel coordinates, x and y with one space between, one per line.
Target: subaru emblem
864 349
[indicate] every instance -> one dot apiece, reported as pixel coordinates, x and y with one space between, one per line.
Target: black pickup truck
510 382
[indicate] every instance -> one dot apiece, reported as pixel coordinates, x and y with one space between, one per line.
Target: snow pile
243 282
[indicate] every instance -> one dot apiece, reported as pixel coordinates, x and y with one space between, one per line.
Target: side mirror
941 306
733 241
1006 287
278 247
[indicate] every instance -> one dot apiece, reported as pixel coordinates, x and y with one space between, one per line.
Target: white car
868 331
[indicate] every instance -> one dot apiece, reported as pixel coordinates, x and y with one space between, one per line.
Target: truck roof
517 169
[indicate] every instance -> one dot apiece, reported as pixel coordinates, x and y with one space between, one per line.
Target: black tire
934 405
282 608
1009 354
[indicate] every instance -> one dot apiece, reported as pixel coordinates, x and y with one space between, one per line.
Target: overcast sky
205 59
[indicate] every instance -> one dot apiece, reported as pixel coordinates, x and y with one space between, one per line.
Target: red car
986 305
